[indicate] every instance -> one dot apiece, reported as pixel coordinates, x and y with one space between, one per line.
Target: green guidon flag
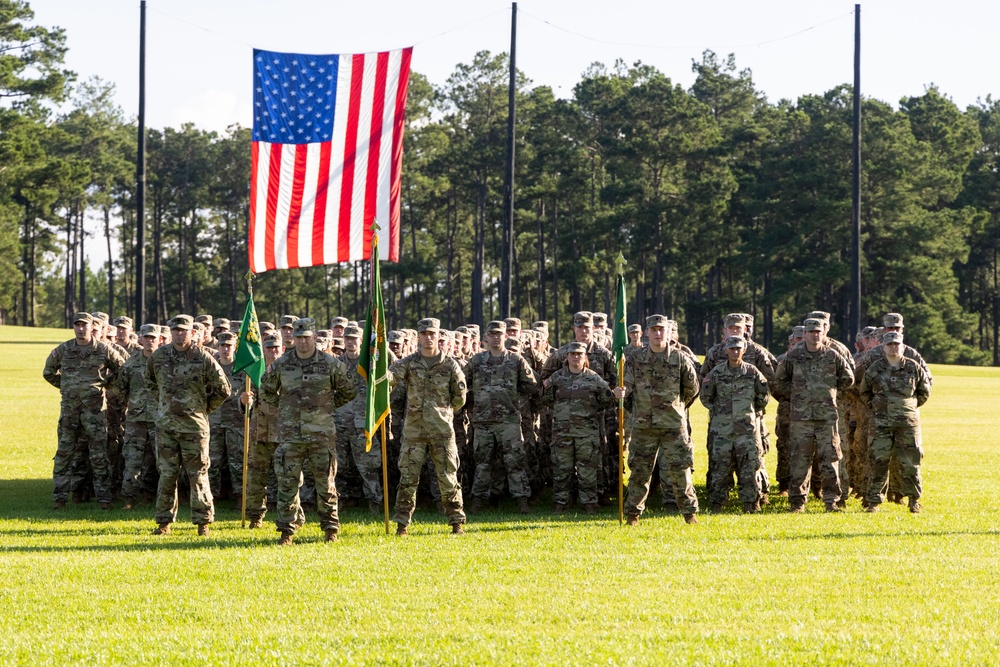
620 330
249 355
373 363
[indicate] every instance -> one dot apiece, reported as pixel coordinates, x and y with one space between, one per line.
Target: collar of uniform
435 360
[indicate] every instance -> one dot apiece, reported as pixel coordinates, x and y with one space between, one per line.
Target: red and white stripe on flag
326 157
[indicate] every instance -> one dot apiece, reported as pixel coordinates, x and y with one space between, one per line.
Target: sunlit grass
91 587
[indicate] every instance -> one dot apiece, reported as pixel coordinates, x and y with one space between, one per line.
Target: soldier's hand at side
619 392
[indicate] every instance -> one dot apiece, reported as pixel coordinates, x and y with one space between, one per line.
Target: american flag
326 156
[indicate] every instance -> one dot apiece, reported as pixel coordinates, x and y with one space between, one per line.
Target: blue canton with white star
294 97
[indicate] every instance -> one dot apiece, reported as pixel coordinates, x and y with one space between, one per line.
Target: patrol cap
512 344
149 330
749 319
820 315
584 318
464 330
185 322
304 326
394 336
222 323
272 340
338 322
227 338
198 326
600 319
513 323
287 321
204 319
868 331
123 321
892 337
656 321
496 325
799 331
540 325
733 319
812 324
338 343
324 333
892 320
164 330
98 315
428 324
352 332
83 317
735 341
265 327
635 328
576 347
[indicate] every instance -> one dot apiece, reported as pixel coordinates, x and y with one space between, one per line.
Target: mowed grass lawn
90 587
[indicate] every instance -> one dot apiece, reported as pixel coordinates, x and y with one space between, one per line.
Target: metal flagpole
246 430
621 419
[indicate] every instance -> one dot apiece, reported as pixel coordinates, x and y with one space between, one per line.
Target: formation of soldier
500 413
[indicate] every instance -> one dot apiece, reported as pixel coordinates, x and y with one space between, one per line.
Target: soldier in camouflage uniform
123 335
579 398
660 382
286 327
811 376
895 387
432 386
82 369
188 385
306 386
139 450
782 420
226 425
541 329
528 403
262 482
498 383
600 361
735 394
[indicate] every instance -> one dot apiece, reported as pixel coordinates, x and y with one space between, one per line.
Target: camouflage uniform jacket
132 348
660 387
578 402
82 372
812 380
188 386
306 393
432 389
230 414
878 352
498 386
354 410
734 397
264 418
755 355
130 386
895 394
689 353
599 357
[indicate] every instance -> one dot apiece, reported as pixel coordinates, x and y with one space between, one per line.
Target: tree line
720 200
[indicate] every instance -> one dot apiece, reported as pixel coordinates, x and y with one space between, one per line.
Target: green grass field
90 587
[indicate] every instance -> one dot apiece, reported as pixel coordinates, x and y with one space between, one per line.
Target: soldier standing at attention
735 394
660 382
139 451
499 381
188 385
82 369
811 375
261 481
307 386
895 387
432 386
286 325
123 335
226 425
579 398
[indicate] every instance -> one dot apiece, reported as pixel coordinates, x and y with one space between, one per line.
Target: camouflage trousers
782 424
902 444
740 454
190 451
763 481
444 454
289 459
813 439
353 462
116 443
83 438
226 448
861 475
581 454
349 483
139 454
845 452
675 450
262 482
543 446
503 441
